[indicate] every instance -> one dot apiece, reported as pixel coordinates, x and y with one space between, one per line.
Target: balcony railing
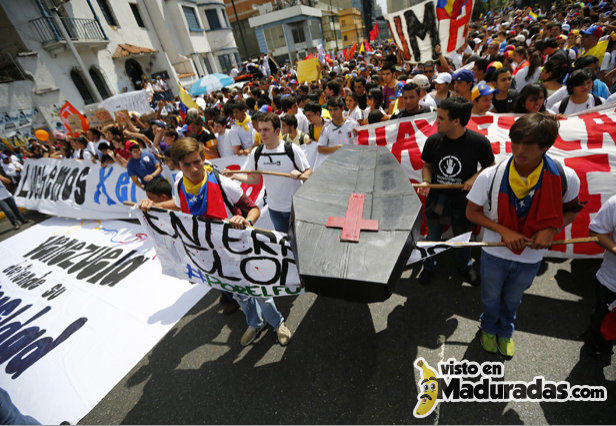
79 29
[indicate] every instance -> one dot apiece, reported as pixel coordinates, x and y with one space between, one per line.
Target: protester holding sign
277 156
527 200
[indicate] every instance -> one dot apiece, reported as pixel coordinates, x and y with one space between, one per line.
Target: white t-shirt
168 174
520 78
279 189
223 143
333 135
240 137
302 121
479 194
357 114
82 154
556 97
573 108
232 189
604 222
428 102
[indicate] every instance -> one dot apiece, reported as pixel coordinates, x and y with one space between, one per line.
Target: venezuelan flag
529 12
449 9
186 101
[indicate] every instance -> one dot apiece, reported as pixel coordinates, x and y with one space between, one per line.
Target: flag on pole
65 112
186 101
453 17
374 32
351 52
368 48
344 52
362 49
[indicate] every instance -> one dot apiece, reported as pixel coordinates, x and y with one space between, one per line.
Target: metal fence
77 28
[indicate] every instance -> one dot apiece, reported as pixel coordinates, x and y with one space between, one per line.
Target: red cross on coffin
353 223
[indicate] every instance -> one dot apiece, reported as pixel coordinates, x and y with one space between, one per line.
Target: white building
118 41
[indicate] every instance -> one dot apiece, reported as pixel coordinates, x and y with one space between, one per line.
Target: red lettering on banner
567 145
454 26
363 136
480 123
495 147
405 141
426 128
381 140
406 54
582 166
595 131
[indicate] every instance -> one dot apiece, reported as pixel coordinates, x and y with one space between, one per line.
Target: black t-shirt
454 161
502 106
404 113
204 136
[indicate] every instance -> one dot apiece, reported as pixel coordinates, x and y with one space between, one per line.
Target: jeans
280 220
10 415
10 209
503 283
435 233
258 309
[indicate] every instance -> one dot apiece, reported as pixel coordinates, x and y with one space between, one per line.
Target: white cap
565 27
442 78
422 81
520 38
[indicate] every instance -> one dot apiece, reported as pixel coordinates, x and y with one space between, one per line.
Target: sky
383 4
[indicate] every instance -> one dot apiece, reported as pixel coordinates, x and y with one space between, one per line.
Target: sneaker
488 341
426 276
506 346
229 306
471 276
284 334
16 226
250 335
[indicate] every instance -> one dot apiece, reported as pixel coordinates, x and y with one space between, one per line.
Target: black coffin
366 270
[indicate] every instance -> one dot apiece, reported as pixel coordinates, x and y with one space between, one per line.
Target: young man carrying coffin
199 190
524 202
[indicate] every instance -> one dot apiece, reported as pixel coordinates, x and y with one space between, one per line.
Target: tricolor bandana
540 208
207 201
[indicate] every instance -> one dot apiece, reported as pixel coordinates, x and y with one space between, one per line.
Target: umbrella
210 83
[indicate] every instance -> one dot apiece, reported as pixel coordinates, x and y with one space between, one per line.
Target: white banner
80 304
586 143
137 100
76 188
251 262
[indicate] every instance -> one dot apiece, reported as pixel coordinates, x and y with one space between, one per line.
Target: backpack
563 104
561 172
288 151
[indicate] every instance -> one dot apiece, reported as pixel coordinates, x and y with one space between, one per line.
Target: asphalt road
353 363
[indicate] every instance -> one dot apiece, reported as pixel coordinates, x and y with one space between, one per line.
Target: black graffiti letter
415 29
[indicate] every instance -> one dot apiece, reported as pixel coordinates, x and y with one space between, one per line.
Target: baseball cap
481 89
463 75
131 143
422 81
442 78
495 65
594 29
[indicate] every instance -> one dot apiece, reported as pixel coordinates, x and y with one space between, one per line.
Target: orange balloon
42 135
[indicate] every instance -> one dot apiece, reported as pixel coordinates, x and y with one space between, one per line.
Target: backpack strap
563 105
563 178
492 210
258 152
288 149
311 131
598 100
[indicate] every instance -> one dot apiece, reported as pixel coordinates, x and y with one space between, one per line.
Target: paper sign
308 70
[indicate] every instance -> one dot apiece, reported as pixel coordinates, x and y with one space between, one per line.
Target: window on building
342 22
345 38
315 30
191 18
299 36
99 82
137 14
107 13
224 14
206 61
225 63
82 87
212 19
274 37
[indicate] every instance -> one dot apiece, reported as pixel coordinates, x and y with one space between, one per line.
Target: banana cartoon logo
428 390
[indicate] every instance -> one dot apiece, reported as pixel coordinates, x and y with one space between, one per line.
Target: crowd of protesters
544 65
